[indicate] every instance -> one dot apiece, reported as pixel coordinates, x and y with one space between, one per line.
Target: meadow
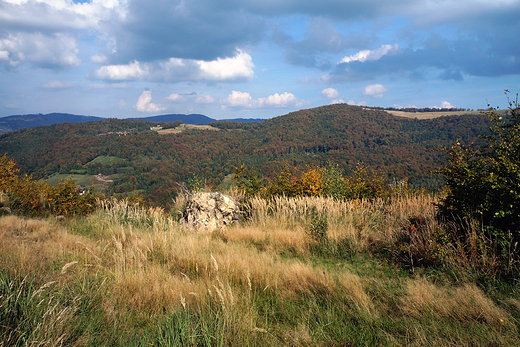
303 271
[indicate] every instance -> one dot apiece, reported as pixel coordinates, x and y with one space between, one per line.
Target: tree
483 181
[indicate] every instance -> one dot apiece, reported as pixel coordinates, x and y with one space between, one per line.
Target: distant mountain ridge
16 122
13 123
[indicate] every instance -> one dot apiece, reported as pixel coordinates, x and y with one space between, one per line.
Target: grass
100 185
131 276
104 160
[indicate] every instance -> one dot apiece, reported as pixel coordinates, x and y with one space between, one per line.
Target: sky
254 58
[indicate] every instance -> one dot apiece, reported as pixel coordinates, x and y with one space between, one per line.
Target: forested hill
137 158
13 123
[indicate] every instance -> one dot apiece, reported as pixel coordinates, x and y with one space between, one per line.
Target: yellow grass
184 127
465 303
152 264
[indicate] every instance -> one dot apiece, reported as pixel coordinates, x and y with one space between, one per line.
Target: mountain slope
185 118
152 163
13 123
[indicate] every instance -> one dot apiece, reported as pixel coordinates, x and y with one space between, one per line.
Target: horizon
254 59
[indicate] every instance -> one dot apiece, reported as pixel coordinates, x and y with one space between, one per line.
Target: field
100 184
294 272
184 127
431 115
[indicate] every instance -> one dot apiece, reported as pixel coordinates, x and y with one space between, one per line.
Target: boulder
208 211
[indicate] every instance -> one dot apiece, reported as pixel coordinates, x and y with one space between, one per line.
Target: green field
86 180
104 160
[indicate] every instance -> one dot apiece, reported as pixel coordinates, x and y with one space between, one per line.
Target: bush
36 198
328 181
483 185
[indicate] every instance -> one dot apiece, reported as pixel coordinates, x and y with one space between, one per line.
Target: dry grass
34 246
362 222
430 115
356 294
466 303
152 266
183 127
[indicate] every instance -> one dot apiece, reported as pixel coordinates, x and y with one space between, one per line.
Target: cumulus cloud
446 104
376 54
237 98
329 93
237 68
132 71
176 98
279 100
144 103
52 51
205 99
244 99
43 32
196 29
376 91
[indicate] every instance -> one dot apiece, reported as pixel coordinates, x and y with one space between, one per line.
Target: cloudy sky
254 58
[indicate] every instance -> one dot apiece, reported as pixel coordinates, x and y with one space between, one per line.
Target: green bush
483 185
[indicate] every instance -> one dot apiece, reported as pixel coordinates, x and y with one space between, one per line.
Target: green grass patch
105 160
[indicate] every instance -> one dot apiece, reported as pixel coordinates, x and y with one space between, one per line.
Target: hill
185 118
152 163
13 123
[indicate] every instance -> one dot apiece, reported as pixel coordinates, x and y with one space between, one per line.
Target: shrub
483 185
35 198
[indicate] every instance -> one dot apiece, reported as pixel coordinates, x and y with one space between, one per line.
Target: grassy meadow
295 272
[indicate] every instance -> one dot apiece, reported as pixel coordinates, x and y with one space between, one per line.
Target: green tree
483 181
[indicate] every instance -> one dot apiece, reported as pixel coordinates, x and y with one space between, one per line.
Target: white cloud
329 93
446 104
376 54
376 91
176 98
56 85
238 68
129 72
237 98
243 99
353 103
279 100
99 59
58 50
4 55
206 99
144 103
43 32
337 101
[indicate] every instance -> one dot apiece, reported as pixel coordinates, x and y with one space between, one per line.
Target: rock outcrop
208 211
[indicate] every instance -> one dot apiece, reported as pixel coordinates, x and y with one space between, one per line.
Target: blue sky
254 58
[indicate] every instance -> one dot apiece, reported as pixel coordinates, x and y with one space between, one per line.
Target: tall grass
128 275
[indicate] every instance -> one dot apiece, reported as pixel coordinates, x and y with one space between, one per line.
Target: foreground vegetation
319 259
307 271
